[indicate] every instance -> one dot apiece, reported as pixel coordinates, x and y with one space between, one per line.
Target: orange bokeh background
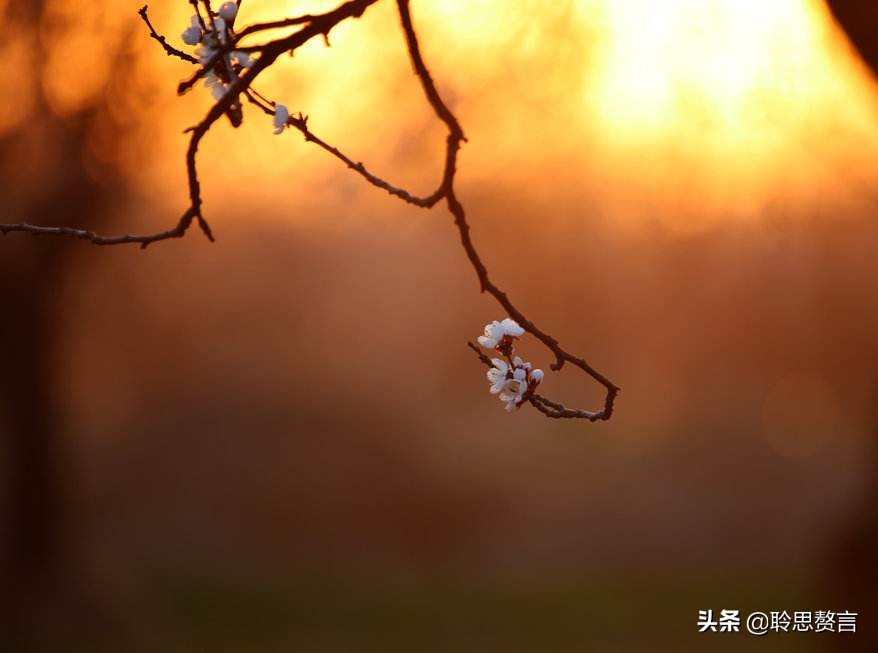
679 191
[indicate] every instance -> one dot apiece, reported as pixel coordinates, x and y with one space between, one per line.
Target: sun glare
660 61
684 107
742 101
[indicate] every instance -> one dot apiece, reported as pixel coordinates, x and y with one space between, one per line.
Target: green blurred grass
611 613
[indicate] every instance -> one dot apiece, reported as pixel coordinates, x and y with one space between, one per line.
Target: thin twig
170 50
321 25
276 24
143 240
300 122
455 136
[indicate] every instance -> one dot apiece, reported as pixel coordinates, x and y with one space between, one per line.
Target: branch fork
238 82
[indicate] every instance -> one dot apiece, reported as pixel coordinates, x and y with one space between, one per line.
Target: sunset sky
680 191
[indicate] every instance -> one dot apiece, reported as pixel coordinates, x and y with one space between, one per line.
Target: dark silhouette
859 19
38 576
853 567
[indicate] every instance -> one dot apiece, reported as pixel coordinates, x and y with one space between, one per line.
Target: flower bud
281 115
192 35
228 11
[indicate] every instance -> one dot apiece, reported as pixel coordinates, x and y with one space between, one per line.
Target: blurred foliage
613 612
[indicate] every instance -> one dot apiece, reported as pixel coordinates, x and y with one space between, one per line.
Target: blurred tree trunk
853 563
31 274
36 577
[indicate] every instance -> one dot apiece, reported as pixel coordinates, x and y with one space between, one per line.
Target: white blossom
496 331
210 40
517 362
281 115
513 383
192 34
497 375
216 85
228 11
514 389
204 54
242 58
493 335
219 26
512 328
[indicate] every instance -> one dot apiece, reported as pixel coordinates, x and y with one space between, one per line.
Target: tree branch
143 240
455 136
321 25
171 51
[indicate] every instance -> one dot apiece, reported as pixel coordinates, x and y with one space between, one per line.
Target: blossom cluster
513 379
210 37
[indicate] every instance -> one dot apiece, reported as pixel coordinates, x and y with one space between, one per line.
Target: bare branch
321 25
170 50
455 136
236 85
197 9
557 411
546 406
300 122
276 24
143 240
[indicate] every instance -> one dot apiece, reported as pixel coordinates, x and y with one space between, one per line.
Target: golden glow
735 101
78 39
690 110
713 62
16 57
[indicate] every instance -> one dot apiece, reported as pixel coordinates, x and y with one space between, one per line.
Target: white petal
511 406
519 374
514 390
242 58
496 377
500 364
192 35
487 342
281 115
228 11
511 327
537 376
204 54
